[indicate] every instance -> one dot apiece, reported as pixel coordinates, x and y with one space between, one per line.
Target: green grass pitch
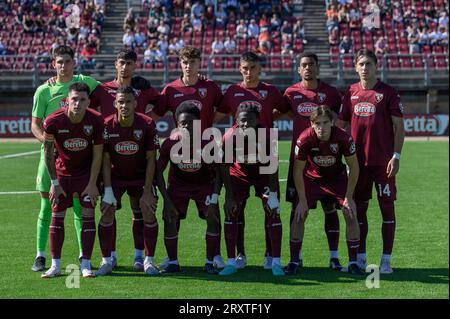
420 258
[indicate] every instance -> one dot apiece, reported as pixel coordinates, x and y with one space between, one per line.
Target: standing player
303 98
245 172
205 94
267 99
188 180
128 166
77 134
375 113
102 99
47 99
320 174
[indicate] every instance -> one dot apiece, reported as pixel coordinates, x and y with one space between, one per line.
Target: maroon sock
332 230
361 208
240 231
114 235
267 237
138 230
105 235
231 229
88 236
274 228
295 246
352 246
212 241
388 227
56 236
171 244
150 238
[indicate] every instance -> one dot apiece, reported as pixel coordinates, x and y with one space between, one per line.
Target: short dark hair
366 53
309 55
61 50
79 87
187 107
319 111
127 54
190 52
250 56
248 107
125 90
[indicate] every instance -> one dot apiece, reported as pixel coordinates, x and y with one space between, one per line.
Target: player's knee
87 212
170 228
148 216
213 225
107 217
387 210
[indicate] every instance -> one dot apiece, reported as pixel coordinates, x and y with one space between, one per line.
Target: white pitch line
19 193
19 154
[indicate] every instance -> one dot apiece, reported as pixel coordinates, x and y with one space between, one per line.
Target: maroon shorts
72 185
241 187
325 191
385 187
181 198
132 189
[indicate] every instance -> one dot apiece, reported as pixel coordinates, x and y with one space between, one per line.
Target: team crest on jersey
149 108
352 146
263 94
202 92
156 140
378 97
105 134
137 134
321 97
88 129
334 147
63 103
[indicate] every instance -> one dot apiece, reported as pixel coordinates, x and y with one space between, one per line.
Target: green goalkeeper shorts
42 179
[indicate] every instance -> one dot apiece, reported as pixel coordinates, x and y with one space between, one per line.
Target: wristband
54 182
272 201
214 199
108 197
396 156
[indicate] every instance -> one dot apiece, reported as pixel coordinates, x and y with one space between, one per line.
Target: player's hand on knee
92 192
349 208
212 212
392 167
301 212
273 204
55 192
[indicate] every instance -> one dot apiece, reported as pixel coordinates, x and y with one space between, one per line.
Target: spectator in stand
140 39
443 19
221 16
444 37
197 10
381 46
253 29
413 41
129 22
197 24
39 24
287 7
94 39
264 21
148 55
72 36
178 7
232 6
286 31
28 23
163 29
241 30
128 38
18 18
265 6
209 15
86 57
343 14
230 45
3 48
423 38
332 22
331 12
275 23
333 39
163 43
100 4
180 44
264 40
173 50
346 45
217 46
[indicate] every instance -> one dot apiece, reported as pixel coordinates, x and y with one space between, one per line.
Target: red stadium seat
348 63
393 64
217 63
275 63
441 62
417 62
405 63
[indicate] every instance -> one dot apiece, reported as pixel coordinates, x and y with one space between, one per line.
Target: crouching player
77 134
189 179
245 171
320 174
129 161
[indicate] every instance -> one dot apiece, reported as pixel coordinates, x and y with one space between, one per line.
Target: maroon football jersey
266 97
369 112
240 168
128 146
324 159
205 94
104 95
303 102
74 142
184 175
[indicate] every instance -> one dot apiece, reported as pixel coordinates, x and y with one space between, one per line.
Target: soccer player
188 179
47 99
375 114
102 99
268 99
318 174
128 166
245 172
303 98
77 134
205 94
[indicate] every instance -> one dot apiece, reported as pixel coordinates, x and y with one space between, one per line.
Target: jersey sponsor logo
126 148
198 104
238 94
178 95
251 103
114 135
298 97
321 97
364 109
378 97
110 91
263 94
87 129
75 144
137 134
334 147
189 167
63 131
354 97
136 92
202 92
324 161
306 108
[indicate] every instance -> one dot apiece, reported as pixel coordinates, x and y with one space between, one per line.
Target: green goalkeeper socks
78 221
43 225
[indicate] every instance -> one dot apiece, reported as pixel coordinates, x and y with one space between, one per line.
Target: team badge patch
156 140
334 147
202 92
378 97
137 134
263 94
321 97
87 129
